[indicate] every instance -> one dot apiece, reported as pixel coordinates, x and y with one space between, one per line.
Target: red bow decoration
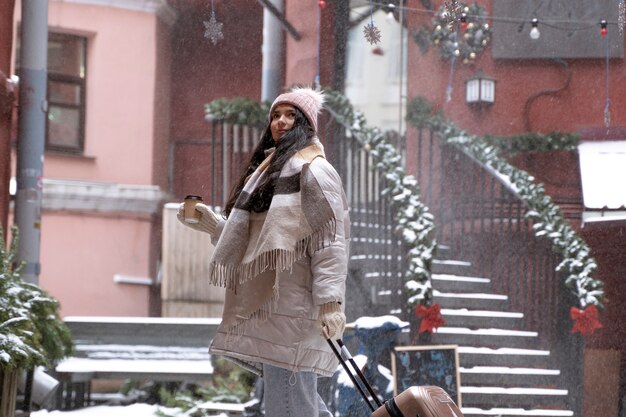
431 317
585 321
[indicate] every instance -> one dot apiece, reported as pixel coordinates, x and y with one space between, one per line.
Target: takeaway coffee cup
191 215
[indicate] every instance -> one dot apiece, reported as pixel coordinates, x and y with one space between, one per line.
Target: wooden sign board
427 365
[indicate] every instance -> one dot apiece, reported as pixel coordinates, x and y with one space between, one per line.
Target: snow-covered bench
135 348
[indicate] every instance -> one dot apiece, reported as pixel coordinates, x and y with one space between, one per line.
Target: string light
390 15
534 31
463 20
603 29
567 25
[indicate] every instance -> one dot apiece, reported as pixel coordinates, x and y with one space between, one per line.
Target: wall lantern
480 89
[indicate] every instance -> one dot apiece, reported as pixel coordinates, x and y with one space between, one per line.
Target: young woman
282 253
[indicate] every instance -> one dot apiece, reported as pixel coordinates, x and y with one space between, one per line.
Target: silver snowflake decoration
372 33
213 29
621 18
452 13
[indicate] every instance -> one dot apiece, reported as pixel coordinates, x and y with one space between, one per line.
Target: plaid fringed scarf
254 246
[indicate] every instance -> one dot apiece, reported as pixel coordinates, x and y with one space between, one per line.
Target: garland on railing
549 222
414 221
414 224
238 110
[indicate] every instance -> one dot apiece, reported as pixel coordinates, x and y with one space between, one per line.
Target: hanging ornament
321 4
371 32
622 17
213 28
474 39
451 13
585 321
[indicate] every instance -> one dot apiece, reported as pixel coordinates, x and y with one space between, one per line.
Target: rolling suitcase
426 401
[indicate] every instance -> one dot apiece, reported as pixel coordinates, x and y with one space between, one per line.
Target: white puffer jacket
291 337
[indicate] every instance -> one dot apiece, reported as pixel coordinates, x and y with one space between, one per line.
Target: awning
603 178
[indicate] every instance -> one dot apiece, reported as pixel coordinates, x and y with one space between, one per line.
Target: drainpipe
272 53
32 130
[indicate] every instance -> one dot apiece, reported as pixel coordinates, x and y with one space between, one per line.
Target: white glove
208 219
332 319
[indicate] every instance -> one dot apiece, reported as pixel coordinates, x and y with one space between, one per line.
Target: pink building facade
100 239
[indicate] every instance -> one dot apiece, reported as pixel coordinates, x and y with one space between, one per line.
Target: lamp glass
472 90
487 90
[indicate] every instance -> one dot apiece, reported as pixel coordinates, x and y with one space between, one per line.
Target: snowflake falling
452 14
213 29
622 17
372 33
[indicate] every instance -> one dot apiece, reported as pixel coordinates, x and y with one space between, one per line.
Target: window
65 130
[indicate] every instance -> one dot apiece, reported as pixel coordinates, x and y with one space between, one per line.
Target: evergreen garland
31 331
534 142
577 264
238 110
414 221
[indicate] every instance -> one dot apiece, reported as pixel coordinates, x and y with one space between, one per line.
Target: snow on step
502 351
503 370
450 277
516 412
479 296
480 313
513 391
485 332
451 262
139 366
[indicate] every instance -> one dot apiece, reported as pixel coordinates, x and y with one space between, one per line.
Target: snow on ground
134 410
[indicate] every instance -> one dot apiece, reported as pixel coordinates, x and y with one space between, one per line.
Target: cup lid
193 197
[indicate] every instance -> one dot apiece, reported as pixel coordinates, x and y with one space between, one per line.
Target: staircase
503 371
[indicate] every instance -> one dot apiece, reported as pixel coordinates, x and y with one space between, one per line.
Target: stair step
513 357
451 266
461 283
506 376
518 396
514 412
481 318
486 337
471 300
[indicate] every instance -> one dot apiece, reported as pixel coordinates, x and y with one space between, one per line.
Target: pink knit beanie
309 101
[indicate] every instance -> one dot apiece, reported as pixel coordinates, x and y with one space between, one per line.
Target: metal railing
482 219
477 214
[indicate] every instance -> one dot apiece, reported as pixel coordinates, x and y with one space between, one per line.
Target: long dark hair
295 139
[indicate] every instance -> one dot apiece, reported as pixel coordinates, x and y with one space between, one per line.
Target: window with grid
65 130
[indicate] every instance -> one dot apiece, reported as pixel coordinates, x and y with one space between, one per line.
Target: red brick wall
202 72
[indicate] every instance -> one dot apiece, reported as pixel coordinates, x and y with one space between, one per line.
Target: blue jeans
292 394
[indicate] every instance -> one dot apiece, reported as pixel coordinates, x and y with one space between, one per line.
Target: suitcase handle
346 356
